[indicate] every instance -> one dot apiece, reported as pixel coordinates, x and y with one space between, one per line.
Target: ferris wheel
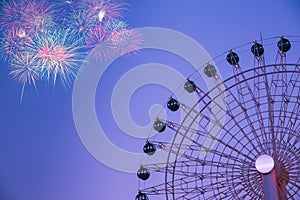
255 155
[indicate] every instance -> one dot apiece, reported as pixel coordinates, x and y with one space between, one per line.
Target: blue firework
80 22
101 10
114 25
13 43
63 8
48 40
28 15
59 54
25 70
127 41
99 43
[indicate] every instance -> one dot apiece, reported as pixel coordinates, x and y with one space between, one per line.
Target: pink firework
105 9
25 70
127 41
58 55
38 16
11 14
46 40
13 43
79 21
29 16
64 7
99 43
114 25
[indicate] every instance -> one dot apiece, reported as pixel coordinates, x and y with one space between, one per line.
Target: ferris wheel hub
264 164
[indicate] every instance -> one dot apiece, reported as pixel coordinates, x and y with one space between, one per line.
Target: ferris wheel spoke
246 92
284 120
293 118
247 159
187 188
247 118
292 123
219 189
203 123
262 84
278 85
192 163
192 154
155 190
225 144
288 133
182 185
190 159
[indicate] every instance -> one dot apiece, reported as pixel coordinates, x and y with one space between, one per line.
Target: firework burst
80 22
46 41
114 25
13 43
105 9
58 55
11 14
38 16
29 16
127 41
99 43
113 38
25 70
63 8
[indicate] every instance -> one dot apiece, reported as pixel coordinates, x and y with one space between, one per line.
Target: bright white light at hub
264 164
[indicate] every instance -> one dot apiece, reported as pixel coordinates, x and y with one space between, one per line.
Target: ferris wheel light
264 164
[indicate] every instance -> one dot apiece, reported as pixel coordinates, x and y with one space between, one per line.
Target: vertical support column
270 186
266 166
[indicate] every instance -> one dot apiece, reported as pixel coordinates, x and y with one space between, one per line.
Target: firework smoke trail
58 55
